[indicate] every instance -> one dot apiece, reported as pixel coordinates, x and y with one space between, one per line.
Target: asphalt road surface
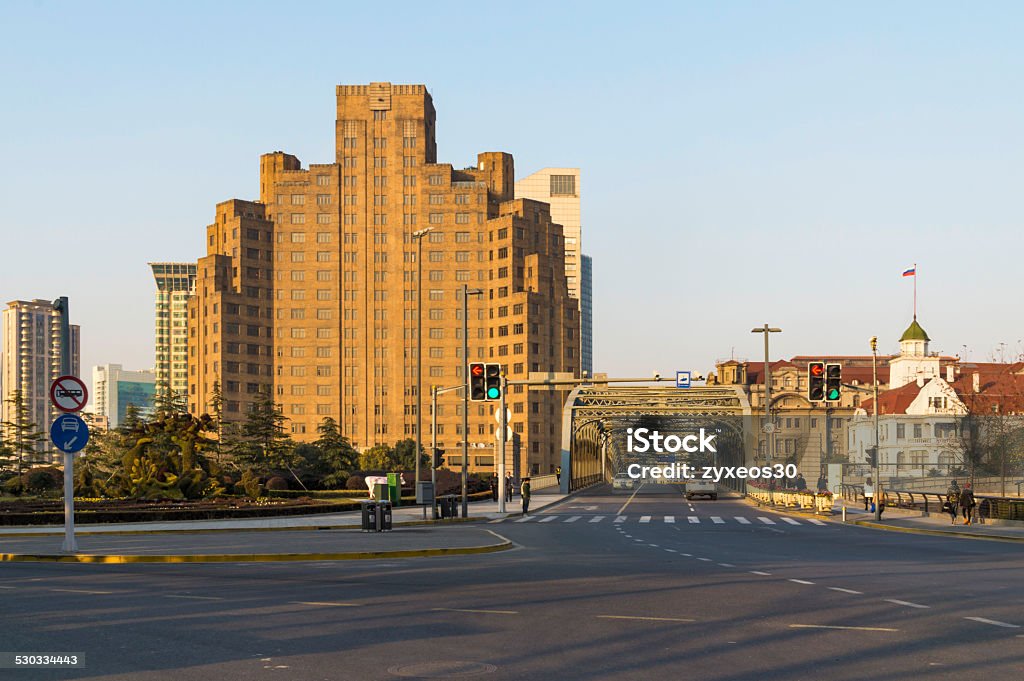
603 586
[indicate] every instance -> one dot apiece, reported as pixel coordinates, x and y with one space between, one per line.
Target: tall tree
21 435
264 428
378 458
405 454
337 455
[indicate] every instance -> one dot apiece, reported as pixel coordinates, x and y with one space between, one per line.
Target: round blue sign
69 433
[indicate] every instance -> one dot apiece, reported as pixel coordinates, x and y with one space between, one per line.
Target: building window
298 218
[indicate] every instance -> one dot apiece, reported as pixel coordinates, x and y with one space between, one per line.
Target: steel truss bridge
596 417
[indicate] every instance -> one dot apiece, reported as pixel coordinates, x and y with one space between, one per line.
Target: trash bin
384 516
394 489
369 515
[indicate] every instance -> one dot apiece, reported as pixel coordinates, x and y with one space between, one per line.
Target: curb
250 558
941 533
201 530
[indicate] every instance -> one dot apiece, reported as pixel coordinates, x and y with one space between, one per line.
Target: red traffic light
816 368
476 369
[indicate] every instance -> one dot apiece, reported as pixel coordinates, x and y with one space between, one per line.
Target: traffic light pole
465 399
874 377
433 450
502 425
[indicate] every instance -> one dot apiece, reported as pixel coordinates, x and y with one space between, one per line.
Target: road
602 586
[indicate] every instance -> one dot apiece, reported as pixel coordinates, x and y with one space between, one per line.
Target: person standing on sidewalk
494 488
952 500
869 492
967 502
508 485
525 492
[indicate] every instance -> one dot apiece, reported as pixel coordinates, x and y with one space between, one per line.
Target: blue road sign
682 379
69 433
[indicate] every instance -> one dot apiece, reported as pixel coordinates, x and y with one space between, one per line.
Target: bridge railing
538 482
988 507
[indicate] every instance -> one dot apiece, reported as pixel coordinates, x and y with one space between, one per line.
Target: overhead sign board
68 393
69 433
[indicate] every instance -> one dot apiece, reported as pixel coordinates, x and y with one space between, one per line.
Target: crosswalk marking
573 519
526 519
815 521
645 518
766 521
693 519
716 520
648 519
742 521
597 519
670 519
549 519
791 521
620 519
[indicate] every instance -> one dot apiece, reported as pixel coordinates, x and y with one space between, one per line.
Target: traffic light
477 382
493 379
816 381
872 453
833 382
438 457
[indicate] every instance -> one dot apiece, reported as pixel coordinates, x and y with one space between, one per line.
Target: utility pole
70 545
769 426
418 236
433 448
878 456
466 293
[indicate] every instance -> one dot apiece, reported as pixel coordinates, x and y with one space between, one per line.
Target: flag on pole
910 272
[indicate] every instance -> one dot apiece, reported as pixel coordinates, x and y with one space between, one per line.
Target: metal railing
988 507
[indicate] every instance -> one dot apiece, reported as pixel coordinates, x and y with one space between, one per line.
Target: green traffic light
493 393
833 394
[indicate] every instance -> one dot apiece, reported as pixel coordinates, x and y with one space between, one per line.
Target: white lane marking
727 565
326 604
193 598
801 581
846 591
766 521
670 519
526 519
485 612
639 540
81 591
628 501
706 560
549 519
620 519
816 521
671 550
790 521
648 619
832 626
573 518
654 545
8 587
597 519
758 572
741 520
716 520
499 520
694 520
645 518
985 620
906 603
688 555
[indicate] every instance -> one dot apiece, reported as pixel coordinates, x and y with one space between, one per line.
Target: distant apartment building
174 285
314 292
31 359
560 188
114 390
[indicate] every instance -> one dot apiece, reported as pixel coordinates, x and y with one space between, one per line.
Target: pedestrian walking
558 474
525 493
952 500
509 486
967 502
822 483
869 493
800 483
494 488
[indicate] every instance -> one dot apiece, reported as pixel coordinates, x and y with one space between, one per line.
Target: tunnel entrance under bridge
600 422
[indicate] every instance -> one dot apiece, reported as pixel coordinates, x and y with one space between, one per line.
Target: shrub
355 482
250 482
43 479
277 483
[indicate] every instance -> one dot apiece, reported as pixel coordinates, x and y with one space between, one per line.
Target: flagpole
915 291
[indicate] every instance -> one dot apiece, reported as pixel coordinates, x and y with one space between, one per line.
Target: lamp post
418 236
874 472
769 427
466 293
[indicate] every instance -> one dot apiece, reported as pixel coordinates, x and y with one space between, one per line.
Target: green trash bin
394 489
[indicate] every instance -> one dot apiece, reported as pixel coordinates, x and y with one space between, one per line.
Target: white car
622 481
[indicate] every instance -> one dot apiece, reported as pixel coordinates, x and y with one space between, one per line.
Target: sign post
64 393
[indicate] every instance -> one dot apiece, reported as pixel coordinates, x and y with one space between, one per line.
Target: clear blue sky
742 162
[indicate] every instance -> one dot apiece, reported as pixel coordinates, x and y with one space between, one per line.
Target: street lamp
418 237
769 427
466 293
874 472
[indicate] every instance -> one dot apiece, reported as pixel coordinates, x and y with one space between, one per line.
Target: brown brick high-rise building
314 289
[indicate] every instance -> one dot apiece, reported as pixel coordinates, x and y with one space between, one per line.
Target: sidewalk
241 546
899 520
403 515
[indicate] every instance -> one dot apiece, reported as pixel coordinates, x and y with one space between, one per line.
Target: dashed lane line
846 591
82 591
646 619
706 560
801 581
996 623
194 598
483 612
326 604
906 603
759 572
727 565
834 626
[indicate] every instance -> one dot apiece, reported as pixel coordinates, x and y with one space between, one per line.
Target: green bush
277 483
355 482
